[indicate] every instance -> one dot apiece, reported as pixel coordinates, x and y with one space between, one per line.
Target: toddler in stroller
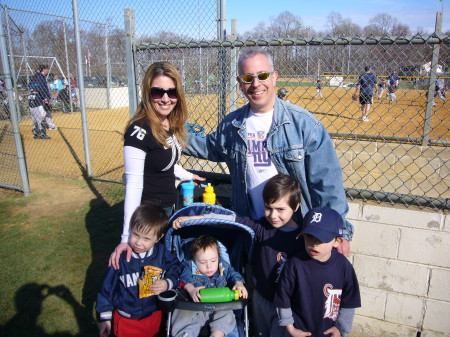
223 244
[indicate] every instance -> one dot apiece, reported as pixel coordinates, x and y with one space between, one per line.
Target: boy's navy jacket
120 288
34 100
44 92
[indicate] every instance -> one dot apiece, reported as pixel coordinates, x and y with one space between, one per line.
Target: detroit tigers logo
317 217
333 301
281 259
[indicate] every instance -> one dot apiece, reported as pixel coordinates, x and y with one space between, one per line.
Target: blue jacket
120 288
298 145
225 276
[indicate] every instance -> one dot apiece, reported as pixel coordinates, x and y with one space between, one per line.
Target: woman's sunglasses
262 77
158 93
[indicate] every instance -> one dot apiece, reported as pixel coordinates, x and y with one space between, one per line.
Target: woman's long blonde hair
146 112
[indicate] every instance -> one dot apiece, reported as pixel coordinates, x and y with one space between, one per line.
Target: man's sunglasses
158 93
262 77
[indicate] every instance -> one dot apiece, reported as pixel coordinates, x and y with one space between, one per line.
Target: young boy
206 270
318 289
318 89
127 294
37 111
391 91
275 241
381 88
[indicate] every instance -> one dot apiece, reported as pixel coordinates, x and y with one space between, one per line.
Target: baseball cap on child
324 223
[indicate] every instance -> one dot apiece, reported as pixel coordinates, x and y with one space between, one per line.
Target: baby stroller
235 242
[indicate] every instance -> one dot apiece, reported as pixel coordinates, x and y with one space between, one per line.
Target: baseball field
64 153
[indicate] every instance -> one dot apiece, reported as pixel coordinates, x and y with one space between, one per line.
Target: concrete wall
402 259
96 98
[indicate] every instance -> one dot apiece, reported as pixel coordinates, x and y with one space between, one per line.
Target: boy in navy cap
318 290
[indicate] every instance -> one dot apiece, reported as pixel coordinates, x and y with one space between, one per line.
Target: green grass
52 268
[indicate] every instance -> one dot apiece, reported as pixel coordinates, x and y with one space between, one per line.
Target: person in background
270 136
364 88
37 111
57 85
40 77
154 138
318 89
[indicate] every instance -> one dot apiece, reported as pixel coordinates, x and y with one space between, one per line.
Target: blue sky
314 13
180 15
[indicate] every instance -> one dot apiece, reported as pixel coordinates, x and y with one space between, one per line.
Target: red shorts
147 327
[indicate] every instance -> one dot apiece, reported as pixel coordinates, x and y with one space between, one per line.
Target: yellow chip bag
151 275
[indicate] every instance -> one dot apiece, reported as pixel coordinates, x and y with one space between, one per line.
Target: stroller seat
235 242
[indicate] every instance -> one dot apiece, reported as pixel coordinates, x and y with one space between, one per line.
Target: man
270 136
41 79
364 88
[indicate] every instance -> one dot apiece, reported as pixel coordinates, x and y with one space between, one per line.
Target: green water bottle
214 295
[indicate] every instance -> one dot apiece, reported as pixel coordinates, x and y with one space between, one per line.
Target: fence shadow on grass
104 225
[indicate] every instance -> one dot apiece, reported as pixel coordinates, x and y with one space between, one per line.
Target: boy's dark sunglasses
262 77
158 93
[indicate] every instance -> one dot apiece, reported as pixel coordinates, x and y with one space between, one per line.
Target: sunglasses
158 93
262 77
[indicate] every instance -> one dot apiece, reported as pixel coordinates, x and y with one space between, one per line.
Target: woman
154 138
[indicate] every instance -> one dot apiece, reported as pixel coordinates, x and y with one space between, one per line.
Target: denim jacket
225 276
299 146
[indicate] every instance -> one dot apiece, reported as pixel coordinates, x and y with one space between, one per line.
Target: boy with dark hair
275 241
318 290
206 270
127 294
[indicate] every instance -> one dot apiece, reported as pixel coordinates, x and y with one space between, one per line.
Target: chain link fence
401 155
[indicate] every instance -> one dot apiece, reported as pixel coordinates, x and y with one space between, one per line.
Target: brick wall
402 259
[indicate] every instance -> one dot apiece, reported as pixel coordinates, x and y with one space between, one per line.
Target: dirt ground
64 153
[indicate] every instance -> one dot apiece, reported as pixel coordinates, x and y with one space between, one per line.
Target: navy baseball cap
324 223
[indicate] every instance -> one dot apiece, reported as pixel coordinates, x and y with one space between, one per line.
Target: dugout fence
401 156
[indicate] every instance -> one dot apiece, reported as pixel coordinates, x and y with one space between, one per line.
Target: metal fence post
233 68
430 93
13 113
13 66
131 71
87 154
67 79
108 71
221 36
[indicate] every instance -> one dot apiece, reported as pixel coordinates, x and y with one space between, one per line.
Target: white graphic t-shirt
259 166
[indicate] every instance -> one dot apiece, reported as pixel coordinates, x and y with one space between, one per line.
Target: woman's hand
115 256
176 224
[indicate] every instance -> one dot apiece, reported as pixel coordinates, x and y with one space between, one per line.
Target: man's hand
355 97
105 328
344 248
115 256
333 331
